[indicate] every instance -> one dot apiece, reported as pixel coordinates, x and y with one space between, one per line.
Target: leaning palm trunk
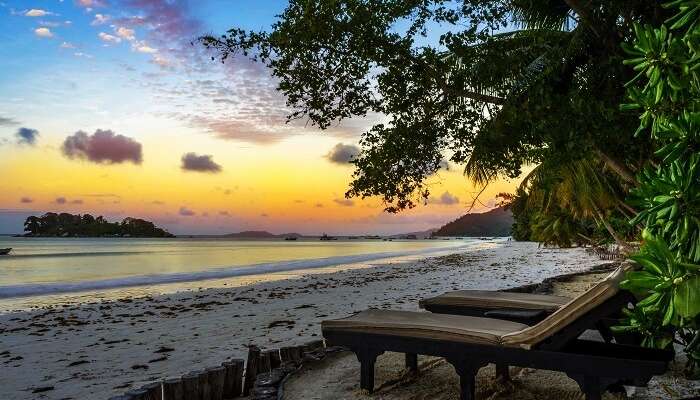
624 245
619 168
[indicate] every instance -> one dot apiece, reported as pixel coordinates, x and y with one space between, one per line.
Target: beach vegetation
665 94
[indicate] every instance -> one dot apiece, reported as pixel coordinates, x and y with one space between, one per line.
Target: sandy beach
102 349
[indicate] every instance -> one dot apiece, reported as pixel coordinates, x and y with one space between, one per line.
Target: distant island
261 235
69 225
497 222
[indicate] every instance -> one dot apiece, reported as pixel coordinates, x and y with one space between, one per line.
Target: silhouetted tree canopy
506 84
64 224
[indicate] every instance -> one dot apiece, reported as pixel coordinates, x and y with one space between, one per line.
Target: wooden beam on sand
204 388
275 359
136 394
216 377
251 368
173 389
233 378
190 384
154 391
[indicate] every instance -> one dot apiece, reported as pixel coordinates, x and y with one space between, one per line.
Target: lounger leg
604 331
467 386
467 378
592 386
367 359
412 362
502 372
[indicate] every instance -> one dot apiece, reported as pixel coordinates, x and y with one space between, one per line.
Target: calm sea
42 271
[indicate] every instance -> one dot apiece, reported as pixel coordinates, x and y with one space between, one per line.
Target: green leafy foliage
670 197
666 93
666 282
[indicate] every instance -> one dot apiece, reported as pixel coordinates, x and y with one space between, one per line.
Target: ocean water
42 271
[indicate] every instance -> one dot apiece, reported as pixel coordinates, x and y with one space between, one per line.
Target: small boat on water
4 252
290 238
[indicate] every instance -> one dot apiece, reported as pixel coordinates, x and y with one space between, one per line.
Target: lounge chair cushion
571 311
487 299
426 325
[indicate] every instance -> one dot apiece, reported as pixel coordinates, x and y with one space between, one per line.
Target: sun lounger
469 343
527 308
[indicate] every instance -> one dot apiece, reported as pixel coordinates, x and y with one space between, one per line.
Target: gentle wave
80 254
219 273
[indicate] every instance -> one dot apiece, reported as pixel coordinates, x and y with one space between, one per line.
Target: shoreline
102 349
10 292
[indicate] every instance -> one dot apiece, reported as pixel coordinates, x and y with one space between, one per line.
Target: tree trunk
623 244
617 167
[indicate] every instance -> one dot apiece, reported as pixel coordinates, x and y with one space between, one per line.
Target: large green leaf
686 299
637 280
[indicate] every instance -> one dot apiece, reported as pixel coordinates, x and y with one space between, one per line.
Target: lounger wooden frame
595 366
533 316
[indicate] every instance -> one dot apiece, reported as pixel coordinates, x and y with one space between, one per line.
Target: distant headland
70 225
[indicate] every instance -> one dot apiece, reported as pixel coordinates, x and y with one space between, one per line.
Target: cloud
343 153
106 37
344 202
89 3
27 136
161 61
186 212
446 199
77 201
144 48
35 12
318 205
100 19
60 200
224 213
81 54
125 33
43 32
203 163
237 130
8 122
67 45
103 146
166 19
26 200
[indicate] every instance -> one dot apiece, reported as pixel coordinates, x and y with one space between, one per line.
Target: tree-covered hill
497 222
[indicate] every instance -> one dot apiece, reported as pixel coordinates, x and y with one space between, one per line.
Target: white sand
104 349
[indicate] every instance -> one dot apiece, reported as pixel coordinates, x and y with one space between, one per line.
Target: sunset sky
106 108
